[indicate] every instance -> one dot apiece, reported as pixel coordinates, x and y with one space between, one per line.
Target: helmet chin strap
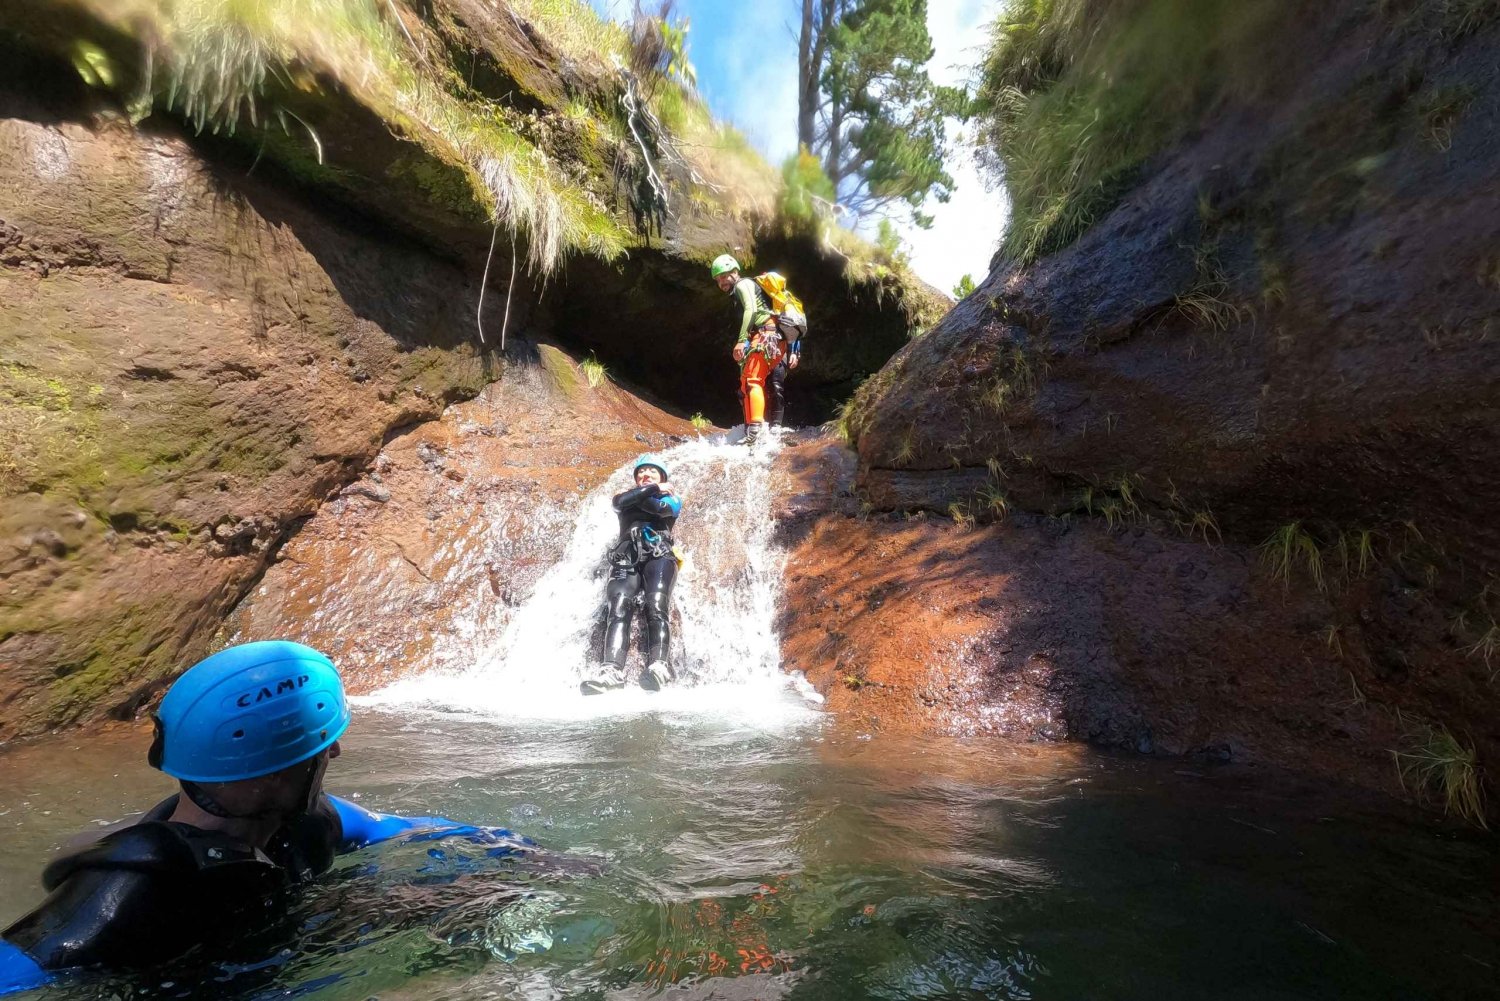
207 803
307 798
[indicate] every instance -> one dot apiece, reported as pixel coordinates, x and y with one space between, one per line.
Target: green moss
565 375
110 656
49 430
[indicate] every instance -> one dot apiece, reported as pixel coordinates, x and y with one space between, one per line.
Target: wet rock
431 458
374 491
1218 754
48 541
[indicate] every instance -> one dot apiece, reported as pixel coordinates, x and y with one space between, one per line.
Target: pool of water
740 857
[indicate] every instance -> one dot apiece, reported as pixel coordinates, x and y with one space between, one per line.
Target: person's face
726 281
299 786
291 791
647 474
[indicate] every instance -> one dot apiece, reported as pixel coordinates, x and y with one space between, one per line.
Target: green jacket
748 298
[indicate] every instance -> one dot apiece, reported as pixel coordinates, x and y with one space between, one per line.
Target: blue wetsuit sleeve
362 828
18 971
668 505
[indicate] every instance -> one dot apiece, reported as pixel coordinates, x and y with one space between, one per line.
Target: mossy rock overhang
650 314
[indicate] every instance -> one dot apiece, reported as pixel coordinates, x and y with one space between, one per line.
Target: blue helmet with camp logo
248 711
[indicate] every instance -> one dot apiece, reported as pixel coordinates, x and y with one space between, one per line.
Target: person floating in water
643 564
248 733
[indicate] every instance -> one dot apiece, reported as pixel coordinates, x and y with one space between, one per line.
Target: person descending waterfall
759 355
776 384
643 566
248 733
749 300
765 350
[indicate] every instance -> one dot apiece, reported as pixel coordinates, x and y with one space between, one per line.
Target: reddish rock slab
1046 629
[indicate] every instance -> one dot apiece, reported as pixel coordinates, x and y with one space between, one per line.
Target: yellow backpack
784 304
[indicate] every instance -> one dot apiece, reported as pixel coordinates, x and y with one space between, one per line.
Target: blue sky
746 57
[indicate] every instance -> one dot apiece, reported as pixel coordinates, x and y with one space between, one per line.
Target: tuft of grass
1201 522
996 396
1114 513
907 449
1462 17
1125 487
1440 111
1332 636
1487 645
594 371
1208 302
1075 96
1288 546
1356 552
963 518
843 423
576 29
699 422
217 59
1436 763
995 502
1357 695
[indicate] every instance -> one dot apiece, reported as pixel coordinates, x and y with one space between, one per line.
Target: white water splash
725 649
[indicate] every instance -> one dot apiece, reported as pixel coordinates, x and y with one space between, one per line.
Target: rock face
1285 342
204 338
190 361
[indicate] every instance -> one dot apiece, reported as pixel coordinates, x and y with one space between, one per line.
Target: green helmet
723 264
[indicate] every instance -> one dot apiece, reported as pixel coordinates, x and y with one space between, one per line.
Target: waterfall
725 649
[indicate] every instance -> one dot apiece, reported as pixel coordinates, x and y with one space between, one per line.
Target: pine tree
867 106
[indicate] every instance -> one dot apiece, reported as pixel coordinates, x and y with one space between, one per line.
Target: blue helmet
651 459
249 711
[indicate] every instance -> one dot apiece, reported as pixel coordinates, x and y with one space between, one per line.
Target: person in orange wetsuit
758 353
749 302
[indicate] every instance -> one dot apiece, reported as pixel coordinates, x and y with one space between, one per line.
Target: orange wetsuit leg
753 382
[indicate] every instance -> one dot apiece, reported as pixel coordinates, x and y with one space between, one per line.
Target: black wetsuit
642 561
148 893
776 394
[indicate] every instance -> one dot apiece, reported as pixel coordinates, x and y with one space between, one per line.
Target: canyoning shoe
656 676
753 434
606 678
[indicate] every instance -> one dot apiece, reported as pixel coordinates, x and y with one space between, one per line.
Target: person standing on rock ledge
248 733
755 366
771 325
643 565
